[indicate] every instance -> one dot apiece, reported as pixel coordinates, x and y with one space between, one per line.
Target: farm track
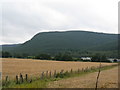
108 79
12 67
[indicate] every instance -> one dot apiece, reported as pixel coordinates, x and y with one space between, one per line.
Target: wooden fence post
50 74
91 68
55 73
46 74
26 77
21 78
61 71
16 79
78 70
71 70
86 69
6 79
82 69
42 75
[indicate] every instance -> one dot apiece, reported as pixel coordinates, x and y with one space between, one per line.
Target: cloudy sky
20 20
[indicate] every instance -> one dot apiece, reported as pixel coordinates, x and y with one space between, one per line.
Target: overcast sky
22 19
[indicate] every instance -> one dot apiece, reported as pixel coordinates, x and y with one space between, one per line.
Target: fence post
78 70
42 75
46 74
26 77
16 79
82 69
50 74
91 68
86 69
61 71
21 78
6 79
55 73
71 70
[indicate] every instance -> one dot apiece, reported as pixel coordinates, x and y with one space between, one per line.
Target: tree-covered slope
55 42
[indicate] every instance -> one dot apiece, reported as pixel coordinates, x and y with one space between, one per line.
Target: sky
20 20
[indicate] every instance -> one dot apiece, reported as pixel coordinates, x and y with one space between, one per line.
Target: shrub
6 55
99 58
63 57
43 56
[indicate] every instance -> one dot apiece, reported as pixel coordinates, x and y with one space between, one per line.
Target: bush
63 57
43 56
6 55
115 60
99 58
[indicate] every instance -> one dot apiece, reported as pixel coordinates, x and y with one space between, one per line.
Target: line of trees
99 58
57 57
63 57
5 54
43 56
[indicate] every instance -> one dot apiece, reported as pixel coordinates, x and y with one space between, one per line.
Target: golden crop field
13 66
107 79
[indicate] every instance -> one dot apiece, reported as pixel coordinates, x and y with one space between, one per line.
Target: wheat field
107 79
13 66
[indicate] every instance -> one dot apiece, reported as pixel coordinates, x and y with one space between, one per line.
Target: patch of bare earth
108 79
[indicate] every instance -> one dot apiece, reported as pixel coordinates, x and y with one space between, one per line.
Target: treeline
58 57
5 54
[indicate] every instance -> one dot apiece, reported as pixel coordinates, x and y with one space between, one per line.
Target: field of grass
108 79
83 79
12 67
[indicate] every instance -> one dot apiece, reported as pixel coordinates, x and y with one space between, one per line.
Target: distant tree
98 57
16 55
63 57
1 54
115 60
58 57
24 55
43 56
6 55
77 59
104 58
67 57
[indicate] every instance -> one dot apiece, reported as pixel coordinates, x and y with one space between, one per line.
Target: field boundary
47 76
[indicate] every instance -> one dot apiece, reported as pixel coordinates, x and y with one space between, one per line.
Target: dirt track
108 79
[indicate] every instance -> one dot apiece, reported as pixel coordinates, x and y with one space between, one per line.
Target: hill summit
56 42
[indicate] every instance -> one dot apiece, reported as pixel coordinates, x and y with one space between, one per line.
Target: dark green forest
70 43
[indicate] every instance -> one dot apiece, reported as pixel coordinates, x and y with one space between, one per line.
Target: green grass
75 74
37 83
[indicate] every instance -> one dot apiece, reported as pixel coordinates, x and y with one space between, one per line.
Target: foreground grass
44 83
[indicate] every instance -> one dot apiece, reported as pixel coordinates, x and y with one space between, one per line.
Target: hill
69 41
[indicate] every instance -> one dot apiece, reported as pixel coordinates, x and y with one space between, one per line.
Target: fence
19 79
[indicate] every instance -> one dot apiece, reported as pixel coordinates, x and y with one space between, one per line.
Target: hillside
55 42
